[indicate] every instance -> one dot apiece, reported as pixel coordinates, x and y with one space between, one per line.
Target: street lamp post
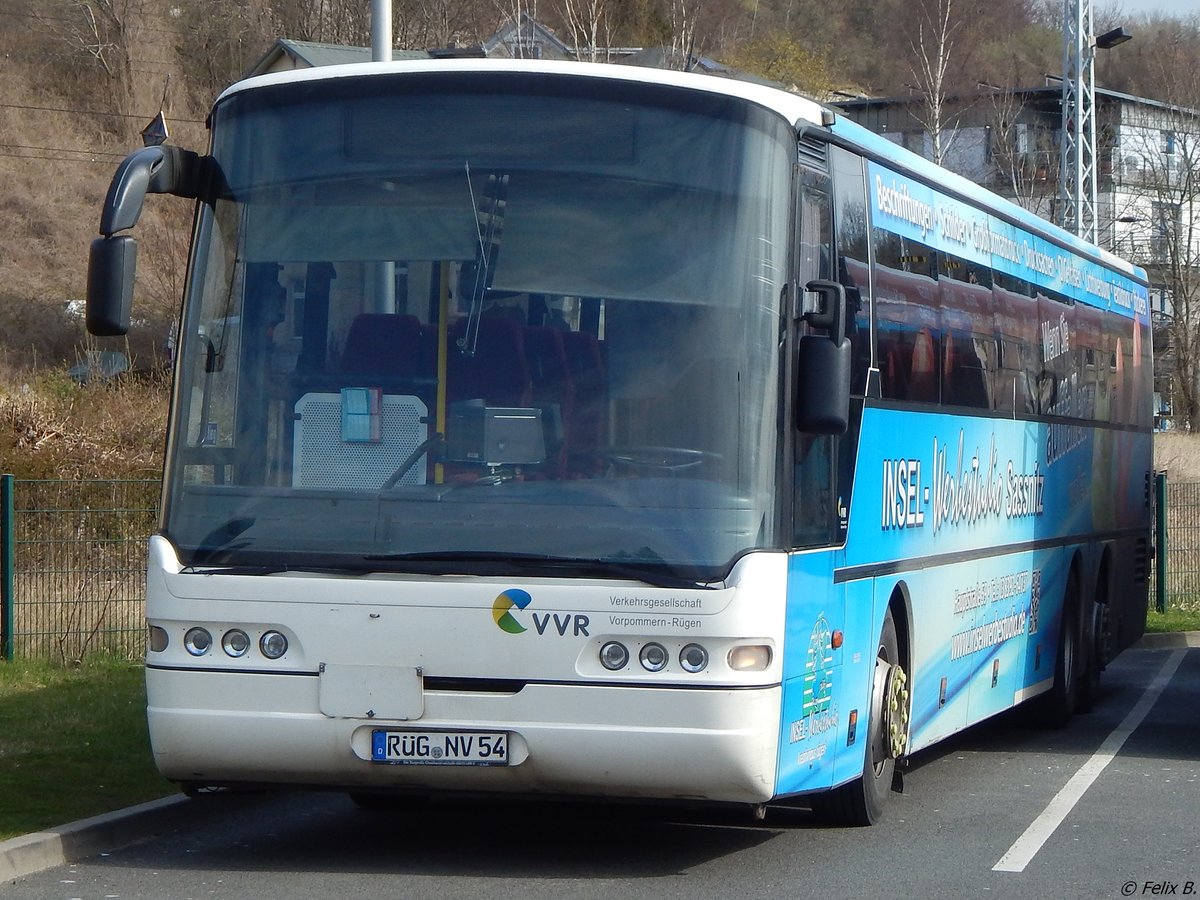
1077 161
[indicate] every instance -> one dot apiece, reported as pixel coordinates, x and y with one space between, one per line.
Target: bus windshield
483 321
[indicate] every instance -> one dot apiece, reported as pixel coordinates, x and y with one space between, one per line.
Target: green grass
73 743
1173 620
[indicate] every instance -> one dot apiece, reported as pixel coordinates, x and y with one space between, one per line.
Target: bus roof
796 110
892 154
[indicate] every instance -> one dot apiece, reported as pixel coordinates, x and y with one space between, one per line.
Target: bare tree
1160 204
346 22
1156 176
100 29
1024 152
937 26
953 46
589 22
419 24
98 36
682 16
222 39
1137 67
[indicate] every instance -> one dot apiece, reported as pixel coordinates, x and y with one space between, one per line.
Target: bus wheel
1097 657
1058 704
861 801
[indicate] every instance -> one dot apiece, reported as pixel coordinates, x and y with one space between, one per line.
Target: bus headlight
653 657
235 643
197 641
272 644
613 656
750 658
693 658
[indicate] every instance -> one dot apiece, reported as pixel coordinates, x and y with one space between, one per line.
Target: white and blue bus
576 430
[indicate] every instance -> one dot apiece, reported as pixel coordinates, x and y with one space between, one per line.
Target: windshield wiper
222 539
657 573
489 226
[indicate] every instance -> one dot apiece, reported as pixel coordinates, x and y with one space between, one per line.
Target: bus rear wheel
1098 649
861 801
1058 704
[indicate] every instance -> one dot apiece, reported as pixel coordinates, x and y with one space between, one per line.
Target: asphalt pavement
30 853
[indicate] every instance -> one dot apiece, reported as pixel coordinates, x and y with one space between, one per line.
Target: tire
1098 646
861 802
1093 662
1058 704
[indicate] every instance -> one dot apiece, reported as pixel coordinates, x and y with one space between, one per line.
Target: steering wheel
672 460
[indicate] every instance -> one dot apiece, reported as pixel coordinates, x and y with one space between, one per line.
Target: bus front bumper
711 744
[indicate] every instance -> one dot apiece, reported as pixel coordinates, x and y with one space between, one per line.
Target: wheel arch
900 605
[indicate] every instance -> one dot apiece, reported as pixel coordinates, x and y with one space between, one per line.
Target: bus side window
853 259
908 318
968 341
1093 373
814 513
1058 376
853 247
1013 316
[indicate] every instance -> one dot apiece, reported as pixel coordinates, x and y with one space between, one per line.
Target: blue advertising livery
974 517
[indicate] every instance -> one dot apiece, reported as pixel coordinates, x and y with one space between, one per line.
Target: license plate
440 748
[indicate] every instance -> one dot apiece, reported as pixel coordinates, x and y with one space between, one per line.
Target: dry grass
51 427
65 131
1178 454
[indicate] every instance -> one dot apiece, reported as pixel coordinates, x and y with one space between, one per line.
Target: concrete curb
1169 640
29 853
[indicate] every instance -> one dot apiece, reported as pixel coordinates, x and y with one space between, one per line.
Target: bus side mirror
151 170
823 365
112 265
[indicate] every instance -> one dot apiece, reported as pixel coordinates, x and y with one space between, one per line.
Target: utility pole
1077 147
381 30
381 51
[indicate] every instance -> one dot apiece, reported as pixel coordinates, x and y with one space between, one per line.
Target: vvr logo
502 606
516 599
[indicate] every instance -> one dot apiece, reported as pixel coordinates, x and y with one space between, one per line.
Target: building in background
1148 198
520 38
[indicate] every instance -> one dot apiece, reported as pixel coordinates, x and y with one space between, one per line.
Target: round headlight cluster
235 642
197 641
653 656
613 656
272 644
693 658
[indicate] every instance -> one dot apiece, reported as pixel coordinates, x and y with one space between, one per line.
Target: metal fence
73 571
73 562
1182 523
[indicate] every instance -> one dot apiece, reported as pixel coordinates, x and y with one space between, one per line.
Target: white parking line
1026 847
